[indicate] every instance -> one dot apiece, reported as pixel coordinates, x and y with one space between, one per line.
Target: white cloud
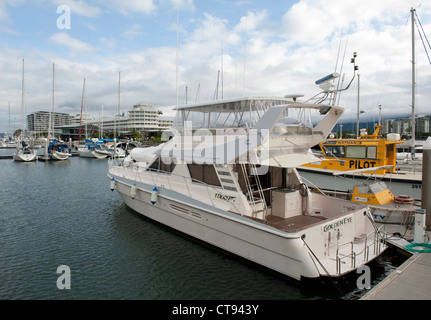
183 4
133 30
4 4
316 20
79 7
74 44
108 42
8 30
261 55
133 6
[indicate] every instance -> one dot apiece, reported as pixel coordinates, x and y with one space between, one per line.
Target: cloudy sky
249 47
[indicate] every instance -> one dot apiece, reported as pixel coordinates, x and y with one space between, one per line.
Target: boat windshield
241 113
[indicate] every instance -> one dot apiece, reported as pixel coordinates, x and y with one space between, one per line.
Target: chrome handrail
377 243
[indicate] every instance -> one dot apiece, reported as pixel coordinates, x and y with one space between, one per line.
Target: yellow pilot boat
368 151
353 157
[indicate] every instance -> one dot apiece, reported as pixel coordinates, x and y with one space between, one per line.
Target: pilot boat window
356 152
334 151
372 152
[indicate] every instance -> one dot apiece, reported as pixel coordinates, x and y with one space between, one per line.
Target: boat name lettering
357 164
347 142
338 223
224 197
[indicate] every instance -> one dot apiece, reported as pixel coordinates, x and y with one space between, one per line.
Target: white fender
154 194
133 191
112 184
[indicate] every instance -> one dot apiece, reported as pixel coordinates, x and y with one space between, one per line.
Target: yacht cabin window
162 165
204 173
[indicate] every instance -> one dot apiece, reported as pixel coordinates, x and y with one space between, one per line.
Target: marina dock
411 281
3 157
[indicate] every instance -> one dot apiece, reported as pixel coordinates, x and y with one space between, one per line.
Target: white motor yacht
228 177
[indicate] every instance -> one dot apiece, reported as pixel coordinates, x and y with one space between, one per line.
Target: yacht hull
25 157
288 257
60 156
91 154
285 253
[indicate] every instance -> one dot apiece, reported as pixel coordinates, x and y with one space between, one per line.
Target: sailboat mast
119 90
53 100
413 83
85 111
82 105
22 99
9 129
51 114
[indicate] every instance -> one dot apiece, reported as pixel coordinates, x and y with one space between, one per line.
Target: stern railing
378 242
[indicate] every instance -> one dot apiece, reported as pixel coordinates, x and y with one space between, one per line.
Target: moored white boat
112 150
228 177
60 155
25 154
89 151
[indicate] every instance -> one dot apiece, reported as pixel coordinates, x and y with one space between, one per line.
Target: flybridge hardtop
267 128
242 112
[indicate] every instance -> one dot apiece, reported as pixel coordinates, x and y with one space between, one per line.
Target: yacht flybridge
228 177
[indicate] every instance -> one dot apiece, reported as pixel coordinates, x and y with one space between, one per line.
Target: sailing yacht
23 152
89 150
54 150
113 150
228 177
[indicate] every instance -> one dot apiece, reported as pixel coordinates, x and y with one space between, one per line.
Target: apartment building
143 118
404 126
38 122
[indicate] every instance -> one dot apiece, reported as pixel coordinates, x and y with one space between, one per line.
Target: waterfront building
403 126
38 122
143 118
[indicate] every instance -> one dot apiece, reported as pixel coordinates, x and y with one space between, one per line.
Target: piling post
426 182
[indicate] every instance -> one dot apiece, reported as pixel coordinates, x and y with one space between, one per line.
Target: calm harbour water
63 213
